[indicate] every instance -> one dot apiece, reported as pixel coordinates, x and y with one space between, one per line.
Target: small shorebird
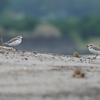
14 41
94 49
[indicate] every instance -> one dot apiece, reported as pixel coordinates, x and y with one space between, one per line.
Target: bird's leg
95 56
15 48
1 39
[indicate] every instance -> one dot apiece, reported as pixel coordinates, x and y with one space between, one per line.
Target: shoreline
37 75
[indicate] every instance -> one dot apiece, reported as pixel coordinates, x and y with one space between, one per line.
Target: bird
14 41
94 49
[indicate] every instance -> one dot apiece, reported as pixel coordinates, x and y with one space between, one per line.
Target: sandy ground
30 75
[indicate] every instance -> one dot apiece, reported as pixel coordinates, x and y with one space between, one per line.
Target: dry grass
1 38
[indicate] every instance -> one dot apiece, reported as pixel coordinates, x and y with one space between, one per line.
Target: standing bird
94 49
14 41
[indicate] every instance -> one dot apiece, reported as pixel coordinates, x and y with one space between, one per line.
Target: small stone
76 55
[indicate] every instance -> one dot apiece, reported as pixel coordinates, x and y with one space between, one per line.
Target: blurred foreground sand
30 75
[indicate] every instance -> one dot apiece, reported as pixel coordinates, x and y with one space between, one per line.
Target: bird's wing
96 48
10 41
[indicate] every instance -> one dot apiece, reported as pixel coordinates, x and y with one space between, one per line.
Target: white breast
94 51
14 43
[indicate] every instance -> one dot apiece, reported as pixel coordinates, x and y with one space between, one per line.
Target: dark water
62 45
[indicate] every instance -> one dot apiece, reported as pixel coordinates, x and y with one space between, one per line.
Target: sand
31 75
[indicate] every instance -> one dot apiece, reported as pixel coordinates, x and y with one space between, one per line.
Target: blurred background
55 26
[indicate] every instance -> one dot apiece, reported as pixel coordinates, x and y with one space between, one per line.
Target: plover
94 49
14 41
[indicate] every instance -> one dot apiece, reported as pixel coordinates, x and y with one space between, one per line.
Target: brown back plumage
94 47
13 39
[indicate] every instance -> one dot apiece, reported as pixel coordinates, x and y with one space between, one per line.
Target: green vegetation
25 24
55 7
71 17
79 19
81 27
